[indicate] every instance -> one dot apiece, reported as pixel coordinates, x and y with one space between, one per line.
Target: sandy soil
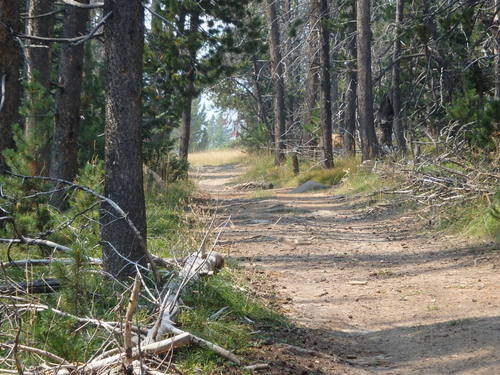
366 290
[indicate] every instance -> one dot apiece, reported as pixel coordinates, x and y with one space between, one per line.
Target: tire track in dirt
362 284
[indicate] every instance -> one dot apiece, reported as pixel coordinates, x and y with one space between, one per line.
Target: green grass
173 224
230 330
477 219
261 167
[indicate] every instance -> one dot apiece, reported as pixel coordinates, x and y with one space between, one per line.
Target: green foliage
323 176
483 115
170 167
31 148
231 330
477 219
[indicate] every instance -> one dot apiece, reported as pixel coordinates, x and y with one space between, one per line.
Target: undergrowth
232 329
175 228
261 167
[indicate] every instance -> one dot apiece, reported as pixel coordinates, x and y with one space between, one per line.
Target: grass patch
216 157
261 194
476 219
261 167
231 329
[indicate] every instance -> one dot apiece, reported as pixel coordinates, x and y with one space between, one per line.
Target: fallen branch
110 202
40 352
31 287
154 348
205 344
127 331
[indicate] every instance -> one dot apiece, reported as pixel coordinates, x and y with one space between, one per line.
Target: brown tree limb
127 331
181 339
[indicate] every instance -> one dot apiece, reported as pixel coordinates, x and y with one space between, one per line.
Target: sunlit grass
216 157
261 167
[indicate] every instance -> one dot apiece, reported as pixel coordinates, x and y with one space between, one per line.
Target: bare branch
82 5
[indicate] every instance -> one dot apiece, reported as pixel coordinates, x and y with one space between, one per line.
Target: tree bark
189 94
64 148
325 93
262 113
396 81
496 41
278 82
123 183
352 83
312 78
38 69
10 87
369 144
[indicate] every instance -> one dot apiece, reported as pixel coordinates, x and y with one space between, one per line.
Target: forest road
366 291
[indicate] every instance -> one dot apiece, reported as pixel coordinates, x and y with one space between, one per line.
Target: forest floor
366 289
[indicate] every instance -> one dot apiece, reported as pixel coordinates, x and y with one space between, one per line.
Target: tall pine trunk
352 83
10 87
38 70
325 93
278 82
396 81
369 144
123 183
189 93
64 148
312 78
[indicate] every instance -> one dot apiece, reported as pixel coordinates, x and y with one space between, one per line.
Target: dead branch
154 348
82 5
127 331
45 243
110 202
43 353
205 344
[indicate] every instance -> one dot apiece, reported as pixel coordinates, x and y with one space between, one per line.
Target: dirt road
367 292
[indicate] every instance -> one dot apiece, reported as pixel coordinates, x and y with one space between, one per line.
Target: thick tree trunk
39 57
352 83
292 83
325 93
278 82
369 144
124 45
10 86
396 81
64 148
38 69
189 94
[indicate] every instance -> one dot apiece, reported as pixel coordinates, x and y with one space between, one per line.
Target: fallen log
32 287
154 348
